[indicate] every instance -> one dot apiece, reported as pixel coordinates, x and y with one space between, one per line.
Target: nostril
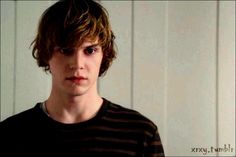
76 67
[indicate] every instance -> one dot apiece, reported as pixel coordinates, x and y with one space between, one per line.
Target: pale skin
74 97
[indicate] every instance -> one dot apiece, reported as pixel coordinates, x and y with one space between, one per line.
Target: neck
73 109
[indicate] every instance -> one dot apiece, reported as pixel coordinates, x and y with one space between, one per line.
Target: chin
78 92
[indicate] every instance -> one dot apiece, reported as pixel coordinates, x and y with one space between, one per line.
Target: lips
76 79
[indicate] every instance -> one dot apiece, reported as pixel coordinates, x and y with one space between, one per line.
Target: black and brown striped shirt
114 132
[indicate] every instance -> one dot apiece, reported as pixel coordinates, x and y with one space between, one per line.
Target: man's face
75 70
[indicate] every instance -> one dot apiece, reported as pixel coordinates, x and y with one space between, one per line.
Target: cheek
95 66
54 66
51 65
98 63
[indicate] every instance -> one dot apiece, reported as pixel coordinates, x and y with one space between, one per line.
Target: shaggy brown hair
68 23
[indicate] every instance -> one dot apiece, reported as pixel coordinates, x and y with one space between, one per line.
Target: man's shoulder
119 108
130 115
21 117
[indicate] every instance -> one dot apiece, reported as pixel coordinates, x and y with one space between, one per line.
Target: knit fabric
115 131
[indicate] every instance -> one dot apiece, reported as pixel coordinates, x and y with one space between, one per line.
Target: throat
69 114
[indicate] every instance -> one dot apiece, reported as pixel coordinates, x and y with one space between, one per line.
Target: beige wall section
226 73
191 97
7 57
32 85
149 60
116 84
176 65
22 82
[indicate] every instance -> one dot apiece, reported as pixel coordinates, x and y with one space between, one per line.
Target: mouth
76 79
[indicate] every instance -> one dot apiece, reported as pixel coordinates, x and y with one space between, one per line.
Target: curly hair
68 23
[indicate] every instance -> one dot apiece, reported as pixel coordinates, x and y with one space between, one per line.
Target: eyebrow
88 46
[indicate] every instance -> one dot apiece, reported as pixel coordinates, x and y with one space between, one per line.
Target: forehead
88 41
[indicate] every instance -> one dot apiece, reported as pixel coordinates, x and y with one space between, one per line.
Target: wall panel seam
132 57
1 68
15 58
166 71
217 74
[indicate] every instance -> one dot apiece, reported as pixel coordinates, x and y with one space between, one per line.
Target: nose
77 60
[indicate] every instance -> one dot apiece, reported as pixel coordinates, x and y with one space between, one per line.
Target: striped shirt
114 132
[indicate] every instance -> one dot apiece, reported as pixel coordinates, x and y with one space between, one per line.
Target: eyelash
88 50
66 51
69 51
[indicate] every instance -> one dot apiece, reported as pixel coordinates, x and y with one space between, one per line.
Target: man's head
67 24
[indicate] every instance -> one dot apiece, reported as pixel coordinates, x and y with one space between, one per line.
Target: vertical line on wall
15 58
166 72
217 74
132 57
1 72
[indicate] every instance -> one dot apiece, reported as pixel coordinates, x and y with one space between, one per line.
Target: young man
75 44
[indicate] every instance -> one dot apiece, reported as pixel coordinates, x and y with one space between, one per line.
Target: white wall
226 75
176 65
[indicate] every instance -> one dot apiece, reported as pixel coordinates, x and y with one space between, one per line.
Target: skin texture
74 97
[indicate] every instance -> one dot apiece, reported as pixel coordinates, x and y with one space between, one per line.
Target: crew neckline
101 112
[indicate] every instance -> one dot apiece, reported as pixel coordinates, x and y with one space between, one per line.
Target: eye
67 51
90 50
